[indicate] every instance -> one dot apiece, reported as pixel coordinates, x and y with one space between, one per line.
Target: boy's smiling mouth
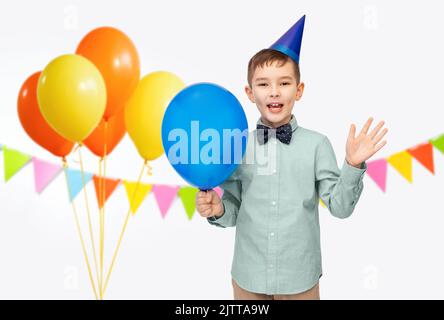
275 107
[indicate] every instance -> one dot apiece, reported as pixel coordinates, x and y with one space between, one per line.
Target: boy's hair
267 57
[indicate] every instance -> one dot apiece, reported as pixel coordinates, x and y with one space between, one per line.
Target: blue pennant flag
75 181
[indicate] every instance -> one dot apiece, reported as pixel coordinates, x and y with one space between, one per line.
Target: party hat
290 42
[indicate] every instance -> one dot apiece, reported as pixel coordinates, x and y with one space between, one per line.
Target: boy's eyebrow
284 77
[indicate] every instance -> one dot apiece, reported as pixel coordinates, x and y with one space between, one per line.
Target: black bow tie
283 133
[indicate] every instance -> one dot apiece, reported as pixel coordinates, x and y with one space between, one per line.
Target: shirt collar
293 123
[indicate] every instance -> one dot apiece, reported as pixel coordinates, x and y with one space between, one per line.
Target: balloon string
102 226
79 232
100 219
88 212
124 225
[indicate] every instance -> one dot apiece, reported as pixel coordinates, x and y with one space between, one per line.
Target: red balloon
116 57
33 122
111 135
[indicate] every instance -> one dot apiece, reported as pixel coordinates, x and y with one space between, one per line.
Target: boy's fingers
201 194
208 212
202 201
380 136
203 208
376 129
352 132
367 125
204 212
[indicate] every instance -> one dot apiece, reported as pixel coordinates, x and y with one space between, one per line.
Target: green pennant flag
438 142
13 161
188 197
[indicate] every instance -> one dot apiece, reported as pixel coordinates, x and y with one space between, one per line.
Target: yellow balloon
145 109
72 96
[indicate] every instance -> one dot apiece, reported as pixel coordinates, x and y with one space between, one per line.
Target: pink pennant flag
44 173
377 170
164 195
219 191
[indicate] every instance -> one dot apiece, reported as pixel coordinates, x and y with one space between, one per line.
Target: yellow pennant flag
402 162
322 203
136 198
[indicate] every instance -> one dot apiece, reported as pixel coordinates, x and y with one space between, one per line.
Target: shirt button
273 203
274 171
272 234
271 266
275 142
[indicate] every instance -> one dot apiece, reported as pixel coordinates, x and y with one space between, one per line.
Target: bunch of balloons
93 97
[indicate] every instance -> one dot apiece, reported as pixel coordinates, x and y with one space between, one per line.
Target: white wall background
358 59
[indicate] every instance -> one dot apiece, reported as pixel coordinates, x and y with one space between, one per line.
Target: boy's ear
249 93
300 91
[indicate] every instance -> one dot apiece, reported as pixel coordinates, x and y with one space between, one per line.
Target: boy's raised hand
208 204
362 147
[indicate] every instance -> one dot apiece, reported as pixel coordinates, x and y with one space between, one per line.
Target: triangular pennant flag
322 203
402 162
438 142
424 154
109 184
75 181
136 199
188 197
44 173
377 170
13 161
219 191
164 195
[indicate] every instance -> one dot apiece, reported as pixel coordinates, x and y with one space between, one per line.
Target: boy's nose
274 92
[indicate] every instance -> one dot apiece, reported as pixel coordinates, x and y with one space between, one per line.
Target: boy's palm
363 146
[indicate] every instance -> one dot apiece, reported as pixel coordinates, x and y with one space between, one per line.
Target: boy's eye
262 84
285 83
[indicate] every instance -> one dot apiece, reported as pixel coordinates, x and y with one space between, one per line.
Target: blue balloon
204 134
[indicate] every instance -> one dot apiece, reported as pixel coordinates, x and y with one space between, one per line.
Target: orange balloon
111 135
33 122
116 57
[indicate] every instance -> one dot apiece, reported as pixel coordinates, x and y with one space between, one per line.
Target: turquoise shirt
273 197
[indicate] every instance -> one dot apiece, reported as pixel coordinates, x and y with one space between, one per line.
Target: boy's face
274 90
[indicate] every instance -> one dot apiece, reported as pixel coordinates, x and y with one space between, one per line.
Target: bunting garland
45 172
402 161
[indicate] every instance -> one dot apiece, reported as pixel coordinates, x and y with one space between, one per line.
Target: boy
275 208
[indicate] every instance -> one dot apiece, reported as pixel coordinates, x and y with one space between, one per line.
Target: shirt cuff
352 174
226 218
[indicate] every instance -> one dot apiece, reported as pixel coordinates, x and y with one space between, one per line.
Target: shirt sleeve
339 189
231 200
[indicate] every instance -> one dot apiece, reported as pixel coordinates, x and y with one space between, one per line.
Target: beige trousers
242 294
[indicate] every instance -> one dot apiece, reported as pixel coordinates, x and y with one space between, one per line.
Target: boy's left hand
362 147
